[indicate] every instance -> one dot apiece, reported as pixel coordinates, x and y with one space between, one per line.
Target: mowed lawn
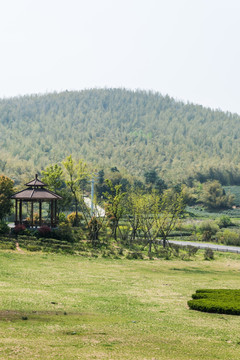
70 307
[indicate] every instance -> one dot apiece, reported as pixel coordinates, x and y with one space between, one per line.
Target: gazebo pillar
31 213
20 212
16 211
40 213
55 214
51 213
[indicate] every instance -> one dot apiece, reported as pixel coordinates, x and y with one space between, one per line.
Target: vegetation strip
221 301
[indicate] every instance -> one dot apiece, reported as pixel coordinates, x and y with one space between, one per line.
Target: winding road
216 247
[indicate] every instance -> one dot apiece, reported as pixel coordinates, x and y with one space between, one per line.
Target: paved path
224 248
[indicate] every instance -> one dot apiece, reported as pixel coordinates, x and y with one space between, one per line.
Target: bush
62 218
221 301
4 228
45 231
208 254
229 237
165 253
73 219
208 229
33 247
224 221
63 232
19 229
134 255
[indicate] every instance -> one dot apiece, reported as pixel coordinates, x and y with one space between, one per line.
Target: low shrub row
221 301
7 243
31 243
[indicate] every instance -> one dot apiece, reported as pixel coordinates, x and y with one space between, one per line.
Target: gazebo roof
36 182
36 191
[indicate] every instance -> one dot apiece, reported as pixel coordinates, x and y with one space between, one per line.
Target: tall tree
6 190
76 174
170 208
213 196
53 177
114 205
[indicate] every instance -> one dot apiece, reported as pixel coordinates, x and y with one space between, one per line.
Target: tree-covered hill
116 127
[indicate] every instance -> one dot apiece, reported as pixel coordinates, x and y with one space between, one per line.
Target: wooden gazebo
36 192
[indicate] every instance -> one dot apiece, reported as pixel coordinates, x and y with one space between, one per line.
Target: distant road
224 248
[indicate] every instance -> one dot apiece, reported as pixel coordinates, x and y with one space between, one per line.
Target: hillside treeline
137 131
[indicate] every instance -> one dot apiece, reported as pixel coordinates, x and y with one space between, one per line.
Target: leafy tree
150 176
6 190
170 208
76 173
154 181
134 210
213 196
114 205
159 215
54 179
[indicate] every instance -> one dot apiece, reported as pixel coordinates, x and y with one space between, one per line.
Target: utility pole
94 176
92 195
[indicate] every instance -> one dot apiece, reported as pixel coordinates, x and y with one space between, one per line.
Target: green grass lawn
80 308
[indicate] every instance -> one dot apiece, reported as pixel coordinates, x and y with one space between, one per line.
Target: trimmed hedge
221 301
32 243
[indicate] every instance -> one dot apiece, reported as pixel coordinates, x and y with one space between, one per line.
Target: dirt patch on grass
15 315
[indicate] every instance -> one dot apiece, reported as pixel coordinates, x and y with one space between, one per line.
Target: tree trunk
164 242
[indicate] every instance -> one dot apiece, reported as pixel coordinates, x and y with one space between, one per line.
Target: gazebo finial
36 176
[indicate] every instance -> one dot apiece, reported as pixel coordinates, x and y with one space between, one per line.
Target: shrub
192 250
73 219
45 231
165 253
208 229
62 218
221 301
19 229
63 232
224 221
134 255
33 247
229 237
4 228
208 254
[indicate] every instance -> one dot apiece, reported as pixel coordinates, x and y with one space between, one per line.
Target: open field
69 307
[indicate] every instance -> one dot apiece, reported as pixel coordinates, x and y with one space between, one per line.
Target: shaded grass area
56 306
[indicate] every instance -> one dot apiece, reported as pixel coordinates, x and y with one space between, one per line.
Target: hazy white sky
189 49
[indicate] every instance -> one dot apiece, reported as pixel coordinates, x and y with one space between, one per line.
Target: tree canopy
120 129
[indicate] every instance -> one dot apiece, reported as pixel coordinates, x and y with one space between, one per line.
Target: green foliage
208 254
64 232
74 218
224 221
76 175
4 228
208 229
53 177
235 191
134 255
119 128
229 237
213 196
114 205
219 301
6 190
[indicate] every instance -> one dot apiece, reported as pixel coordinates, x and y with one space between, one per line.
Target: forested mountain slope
115 127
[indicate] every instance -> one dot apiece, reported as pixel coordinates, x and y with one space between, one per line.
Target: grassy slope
116 309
